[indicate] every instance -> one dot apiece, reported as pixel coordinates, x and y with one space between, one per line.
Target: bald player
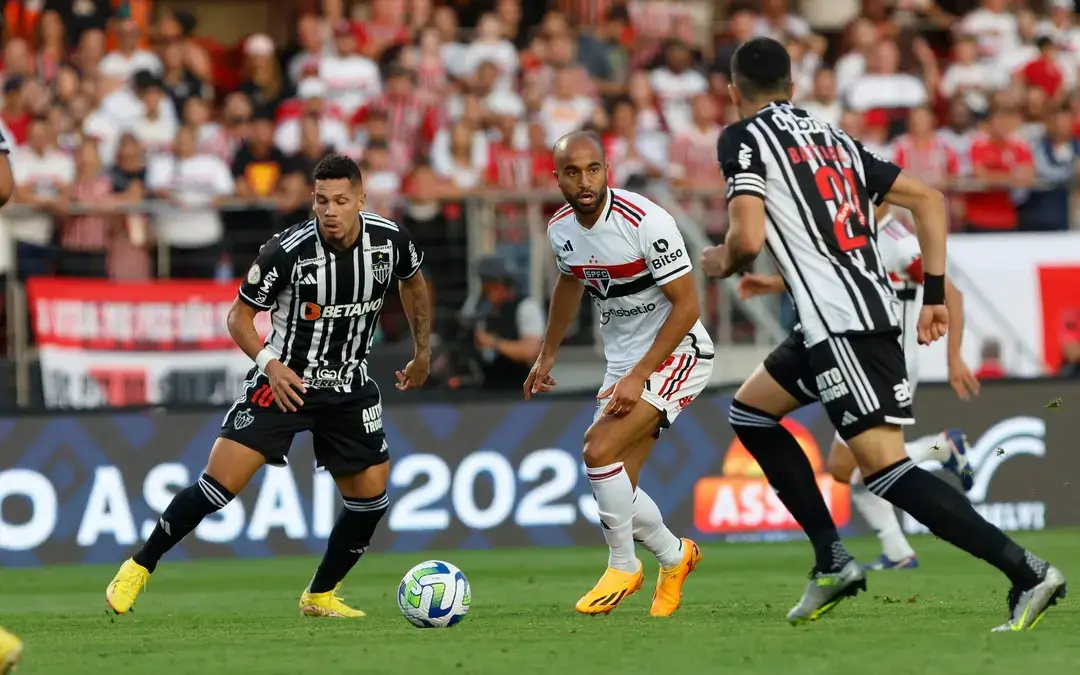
629 255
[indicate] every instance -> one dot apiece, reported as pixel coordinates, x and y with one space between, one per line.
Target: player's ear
733 92
791 90
363 200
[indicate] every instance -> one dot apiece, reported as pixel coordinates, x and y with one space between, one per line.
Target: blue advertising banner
89 487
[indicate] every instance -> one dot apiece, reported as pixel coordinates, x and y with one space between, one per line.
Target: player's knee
840 463
599 450
746 420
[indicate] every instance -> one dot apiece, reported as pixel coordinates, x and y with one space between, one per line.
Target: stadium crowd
113 108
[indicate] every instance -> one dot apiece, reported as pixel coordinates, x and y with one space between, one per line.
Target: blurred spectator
452 49
692 161
193 184
567 109
994 28
84 239
923 152
883 87
639 89
376 129
603 54
489 45
1057 168
15 113
958 133
128 58
258 166
804 66
822 102
1045 72
90 51
52 47
1002 162
81 16
508 328
1033 118
381 183
299 167
43 179
18 60
460 155
312 94
634 155
990 366
428 222
861 38
351 80
780 24
309 35
384 28
1061 25
676 84
1025 50
970 78
427 64
156 124
262 79
179 82
412 123
741 26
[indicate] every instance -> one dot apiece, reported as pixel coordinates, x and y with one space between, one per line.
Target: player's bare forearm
685 312
564 305
241 323
954 302
417 305
745 236
930 211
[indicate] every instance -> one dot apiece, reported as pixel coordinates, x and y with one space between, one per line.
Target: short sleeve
407 256
558 246
223 183
530 319
158 173
5 144
741 162
267 276
880 173
664 249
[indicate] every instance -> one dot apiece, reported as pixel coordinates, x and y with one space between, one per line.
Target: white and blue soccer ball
434 594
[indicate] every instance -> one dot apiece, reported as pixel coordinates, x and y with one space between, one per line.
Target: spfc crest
380 265
598 278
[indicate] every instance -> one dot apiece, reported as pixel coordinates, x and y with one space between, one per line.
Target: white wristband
262 358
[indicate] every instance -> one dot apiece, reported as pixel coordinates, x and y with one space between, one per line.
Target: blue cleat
882 562
958 460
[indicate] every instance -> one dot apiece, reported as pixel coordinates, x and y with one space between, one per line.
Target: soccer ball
434 594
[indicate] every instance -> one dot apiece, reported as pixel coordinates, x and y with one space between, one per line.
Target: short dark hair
336 167
760 67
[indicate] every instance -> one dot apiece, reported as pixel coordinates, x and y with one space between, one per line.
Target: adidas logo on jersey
568 246
847 419
309 280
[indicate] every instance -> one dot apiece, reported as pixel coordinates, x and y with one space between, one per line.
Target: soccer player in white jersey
629 255
902 259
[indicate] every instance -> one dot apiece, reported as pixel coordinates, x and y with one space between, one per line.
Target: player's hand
286 386
483 339
963 381
933 323
712 261
755 284
415 373
539 379
624 395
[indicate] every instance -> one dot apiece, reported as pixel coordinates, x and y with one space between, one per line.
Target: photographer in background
507 327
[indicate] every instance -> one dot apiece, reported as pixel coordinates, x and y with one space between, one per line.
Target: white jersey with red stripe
623 260
902 259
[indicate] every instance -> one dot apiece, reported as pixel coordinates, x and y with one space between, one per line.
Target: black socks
950 516
348 540
792 477
185 512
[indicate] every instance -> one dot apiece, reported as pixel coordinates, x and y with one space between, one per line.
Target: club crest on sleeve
254 275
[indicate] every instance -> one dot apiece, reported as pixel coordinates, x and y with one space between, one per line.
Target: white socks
929 447
615 506
650 530
880 514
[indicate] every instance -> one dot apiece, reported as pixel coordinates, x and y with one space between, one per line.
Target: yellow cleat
11 649
614 587
327 604
126 586
669 584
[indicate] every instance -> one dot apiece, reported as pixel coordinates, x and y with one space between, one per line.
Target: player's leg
649 528
349 443
879 514
11 649
254 432
608 444
872 369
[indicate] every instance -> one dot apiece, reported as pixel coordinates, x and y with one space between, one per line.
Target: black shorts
861 380
346 428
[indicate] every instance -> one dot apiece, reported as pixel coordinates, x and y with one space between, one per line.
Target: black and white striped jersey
324 304
820 187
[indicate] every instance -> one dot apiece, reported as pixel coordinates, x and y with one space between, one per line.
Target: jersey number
831 185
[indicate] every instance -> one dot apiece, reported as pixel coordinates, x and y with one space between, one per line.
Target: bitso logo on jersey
742 500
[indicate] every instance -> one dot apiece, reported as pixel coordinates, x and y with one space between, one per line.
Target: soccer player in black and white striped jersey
807 191
323 281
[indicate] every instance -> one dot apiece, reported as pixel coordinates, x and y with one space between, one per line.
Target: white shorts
671 388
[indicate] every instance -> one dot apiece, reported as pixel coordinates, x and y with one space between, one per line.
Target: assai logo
598 278
742 501
1000 443
622 312
314 312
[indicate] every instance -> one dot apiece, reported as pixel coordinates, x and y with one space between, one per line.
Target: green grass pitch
241 616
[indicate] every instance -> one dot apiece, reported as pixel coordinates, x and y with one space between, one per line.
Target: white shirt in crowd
826 112
443 163
975 78
849 68
501 53
194 182
333 133
996 32
563 116
43 176
123 66
351 81
675 93
898 90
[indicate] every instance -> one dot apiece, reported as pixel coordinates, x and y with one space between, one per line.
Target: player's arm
963 381
741 164
416 302
563 307
7 179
